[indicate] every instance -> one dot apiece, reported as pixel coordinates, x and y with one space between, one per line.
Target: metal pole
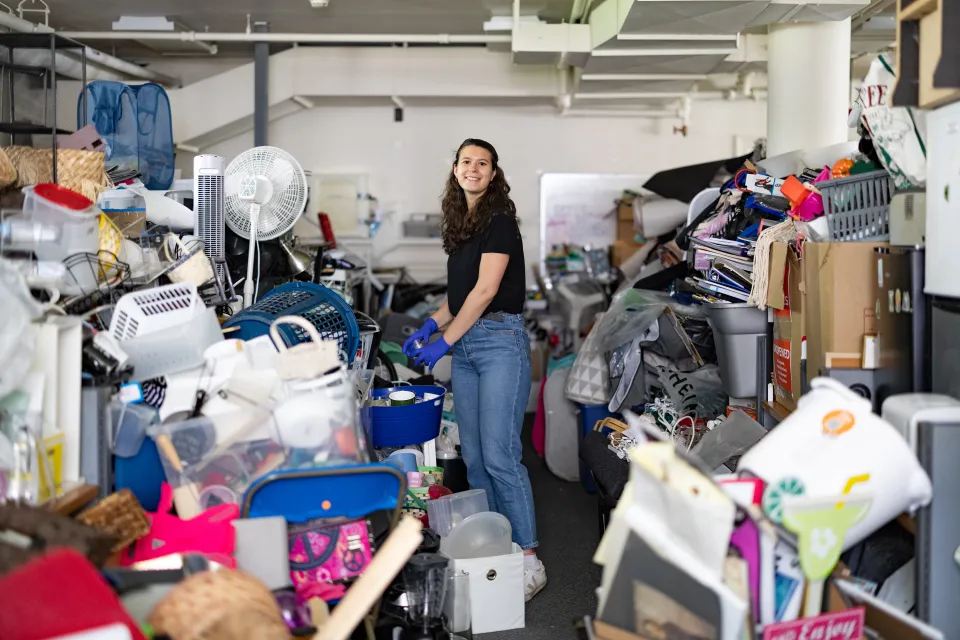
83 81
53 90
261 86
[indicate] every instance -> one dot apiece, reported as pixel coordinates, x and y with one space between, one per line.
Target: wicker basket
219 605
119 514
8 172
77 169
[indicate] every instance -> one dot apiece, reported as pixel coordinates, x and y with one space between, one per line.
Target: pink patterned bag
328 554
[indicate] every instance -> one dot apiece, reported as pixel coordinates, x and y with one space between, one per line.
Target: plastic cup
402 398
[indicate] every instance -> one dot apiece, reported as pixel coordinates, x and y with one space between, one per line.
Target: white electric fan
265 191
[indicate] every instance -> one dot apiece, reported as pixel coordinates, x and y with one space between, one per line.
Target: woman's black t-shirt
463 267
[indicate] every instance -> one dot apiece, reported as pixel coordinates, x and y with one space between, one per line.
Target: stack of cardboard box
626 243
836 306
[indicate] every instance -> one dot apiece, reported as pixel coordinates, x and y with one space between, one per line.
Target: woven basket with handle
216 605
8 172
77 169
119 514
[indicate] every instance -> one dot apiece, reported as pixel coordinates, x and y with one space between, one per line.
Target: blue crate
324 309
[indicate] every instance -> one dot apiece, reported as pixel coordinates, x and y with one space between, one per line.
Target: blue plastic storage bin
589 415
404 426
323 308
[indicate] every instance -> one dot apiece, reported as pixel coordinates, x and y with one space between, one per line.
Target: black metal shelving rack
48 74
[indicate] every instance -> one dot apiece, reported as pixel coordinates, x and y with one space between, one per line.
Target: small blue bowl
404 426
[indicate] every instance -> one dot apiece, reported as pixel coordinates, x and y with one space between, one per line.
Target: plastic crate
325 309
858 207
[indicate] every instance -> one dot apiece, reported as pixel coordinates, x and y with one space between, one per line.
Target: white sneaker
534 580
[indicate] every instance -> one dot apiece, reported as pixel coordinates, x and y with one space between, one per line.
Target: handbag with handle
307 360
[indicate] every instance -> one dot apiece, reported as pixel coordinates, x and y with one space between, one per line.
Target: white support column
808 85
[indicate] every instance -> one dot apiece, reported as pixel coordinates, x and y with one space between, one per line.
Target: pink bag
325 555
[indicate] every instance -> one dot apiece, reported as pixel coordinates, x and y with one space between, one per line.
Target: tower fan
265 191
208 206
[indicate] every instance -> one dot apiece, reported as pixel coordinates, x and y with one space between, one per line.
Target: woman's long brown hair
460 224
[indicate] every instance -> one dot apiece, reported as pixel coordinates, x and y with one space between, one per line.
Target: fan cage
280 213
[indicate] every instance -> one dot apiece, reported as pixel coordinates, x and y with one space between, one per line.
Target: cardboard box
625 209
131 225
622 250
785 297
840 294
626 231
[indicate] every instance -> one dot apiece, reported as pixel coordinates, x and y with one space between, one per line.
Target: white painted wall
408 162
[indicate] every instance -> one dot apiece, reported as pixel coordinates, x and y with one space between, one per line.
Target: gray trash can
736 328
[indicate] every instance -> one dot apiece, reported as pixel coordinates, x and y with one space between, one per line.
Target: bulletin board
580 208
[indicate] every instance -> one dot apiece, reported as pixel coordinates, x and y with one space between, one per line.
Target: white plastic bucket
75 213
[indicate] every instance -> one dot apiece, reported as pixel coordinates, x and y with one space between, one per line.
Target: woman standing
482 323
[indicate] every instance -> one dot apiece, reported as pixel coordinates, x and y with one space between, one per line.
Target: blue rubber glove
423 333
430 354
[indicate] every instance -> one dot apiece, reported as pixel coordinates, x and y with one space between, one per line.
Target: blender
425 580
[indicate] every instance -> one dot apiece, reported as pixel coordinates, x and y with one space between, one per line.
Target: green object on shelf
863 166
394 351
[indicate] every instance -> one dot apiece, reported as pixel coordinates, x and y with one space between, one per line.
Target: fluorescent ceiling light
143 23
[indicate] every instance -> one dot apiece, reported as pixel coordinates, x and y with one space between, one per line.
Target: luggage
562 438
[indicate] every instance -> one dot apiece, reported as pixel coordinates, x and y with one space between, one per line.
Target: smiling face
474 171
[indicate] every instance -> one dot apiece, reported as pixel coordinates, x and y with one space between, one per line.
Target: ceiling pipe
578 13
601 113
289 38
93 56
874 8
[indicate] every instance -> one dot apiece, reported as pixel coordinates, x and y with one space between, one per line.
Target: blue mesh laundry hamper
154 136
112 110
134 122
321 307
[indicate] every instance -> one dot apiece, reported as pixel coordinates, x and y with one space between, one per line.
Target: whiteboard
580 208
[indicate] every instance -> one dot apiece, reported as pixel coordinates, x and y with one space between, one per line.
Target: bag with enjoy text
898 133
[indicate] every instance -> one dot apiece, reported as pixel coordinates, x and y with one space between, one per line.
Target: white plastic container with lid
447 512
51 203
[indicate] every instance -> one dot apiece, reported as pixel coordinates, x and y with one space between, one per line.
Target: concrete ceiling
702 40
297 16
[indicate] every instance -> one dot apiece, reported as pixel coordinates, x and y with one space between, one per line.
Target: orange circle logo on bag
837 422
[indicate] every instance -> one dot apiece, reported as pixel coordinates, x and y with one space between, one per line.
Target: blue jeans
491 384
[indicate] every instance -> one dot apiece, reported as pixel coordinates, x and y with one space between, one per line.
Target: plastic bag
17 341
631 313
700 391
898 132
